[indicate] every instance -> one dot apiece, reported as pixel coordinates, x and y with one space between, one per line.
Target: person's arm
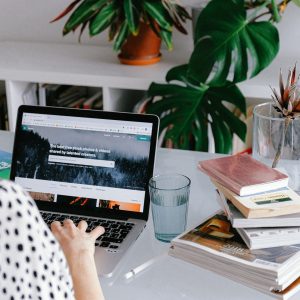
79 249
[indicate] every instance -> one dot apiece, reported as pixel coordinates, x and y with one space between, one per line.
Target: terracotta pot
143 49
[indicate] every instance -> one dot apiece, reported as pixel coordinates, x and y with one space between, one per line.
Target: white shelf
79 65
95 66
99 66
21 63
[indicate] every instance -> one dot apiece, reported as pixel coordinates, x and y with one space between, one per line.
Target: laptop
88 165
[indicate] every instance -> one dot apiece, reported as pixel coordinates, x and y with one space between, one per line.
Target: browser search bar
81 161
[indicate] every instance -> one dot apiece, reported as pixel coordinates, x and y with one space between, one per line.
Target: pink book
243 174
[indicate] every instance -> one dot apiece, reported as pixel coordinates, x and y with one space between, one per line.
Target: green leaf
222 135
158 12
224 37
172 89
264 44
103 19
227 136
216 128
113 30
237 126
199 131
132 16
182 13
221 132
82 13
184 112
65 11
229 93
241 3
122 36
177 112
177 73
167 38
83 26
204 60
167 104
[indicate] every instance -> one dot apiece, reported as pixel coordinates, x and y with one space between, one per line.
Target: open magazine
216 246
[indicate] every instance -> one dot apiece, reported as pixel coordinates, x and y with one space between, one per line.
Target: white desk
169 278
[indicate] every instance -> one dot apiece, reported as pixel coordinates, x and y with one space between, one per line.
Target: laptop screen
83 163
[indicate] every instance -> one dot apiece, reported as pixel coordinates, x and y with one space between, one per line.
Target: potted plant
201 95
276 129
130 24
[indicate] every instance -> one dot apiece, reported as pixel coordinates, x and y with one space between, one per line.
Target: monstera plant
234 40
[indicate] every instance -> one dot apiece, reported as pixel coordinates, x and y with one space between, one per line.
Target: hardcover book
268 204
243 175
261 238
239 221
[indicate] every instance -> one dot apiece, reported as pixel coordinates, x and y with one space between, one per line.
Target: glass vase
271 136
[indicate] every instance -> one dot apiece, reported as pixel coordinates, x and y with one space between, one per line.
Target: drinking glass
169 195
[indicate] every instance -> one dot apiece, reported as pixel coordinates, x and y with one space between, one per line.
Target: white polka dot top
32 265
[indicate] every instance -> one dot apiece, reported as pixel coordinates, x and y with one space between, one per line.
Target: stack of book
255 239
69 96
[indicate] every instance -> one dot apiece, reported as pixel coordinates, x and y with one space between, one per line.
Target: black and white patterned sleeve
32 265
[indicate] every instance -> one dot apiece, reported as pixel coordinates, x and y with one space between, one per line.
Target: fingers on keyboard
115 231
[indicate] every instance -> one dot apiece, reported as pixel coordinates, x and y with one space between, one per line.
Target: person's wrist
76 255
79 259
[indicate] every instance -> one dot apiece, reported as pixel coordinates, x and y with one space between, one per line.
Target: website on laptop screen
84 162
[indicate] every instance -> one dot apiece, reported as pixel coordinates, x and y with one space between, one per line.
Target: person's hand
79 248
75 241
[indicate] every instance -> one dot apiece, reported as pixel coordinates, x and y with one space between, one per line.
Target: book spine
243 209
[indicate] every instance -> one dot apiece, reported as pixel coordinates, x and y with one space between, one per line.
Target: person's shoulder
12 193
10 187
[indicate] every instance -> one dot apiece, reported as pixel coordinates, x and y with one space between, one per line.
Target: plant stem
276 15
257 9
259 16
273 10
281 144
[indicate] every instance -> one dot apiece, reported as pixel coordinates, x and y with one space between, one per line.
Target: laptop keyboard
115 231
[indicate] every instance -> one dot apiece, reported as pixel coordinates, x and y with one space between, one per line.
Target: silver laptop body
93 165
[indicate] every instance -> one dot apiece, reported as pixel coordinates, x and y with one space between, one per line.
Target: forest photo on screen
129 154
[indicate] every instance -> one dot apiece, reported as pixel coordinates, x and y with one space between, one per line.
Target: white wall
28 20
289 32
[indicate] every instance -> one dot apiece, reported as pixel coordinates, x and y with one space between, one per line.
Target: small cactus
287 101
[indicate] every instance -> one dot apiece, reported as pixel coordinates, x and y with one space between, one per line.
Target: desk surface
169 278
